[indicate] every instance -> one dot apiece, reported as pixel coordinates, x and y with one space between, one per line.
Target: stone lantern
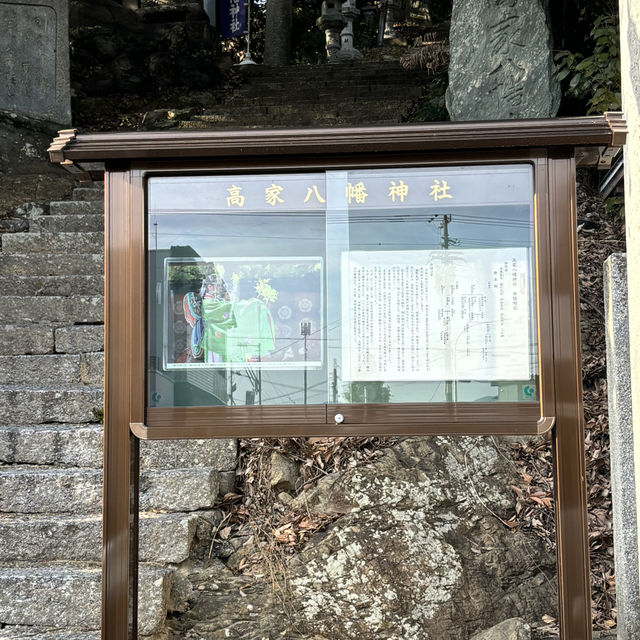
347 50
331 21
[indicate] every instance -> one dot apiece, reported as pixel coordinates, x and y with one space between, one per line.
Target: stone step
68 596
29 243
51 264
80 445
79 223
24 339
40 633
60 370
88 194
349 92
76 207
70 445
51 285
163 538
316 110
79 338
47 490
47 309
240 126
32 405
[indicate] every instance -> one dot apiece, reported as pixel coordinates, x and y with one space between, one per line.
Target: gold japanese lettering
400 190
314 190
440 190
234 198
357 192
272 194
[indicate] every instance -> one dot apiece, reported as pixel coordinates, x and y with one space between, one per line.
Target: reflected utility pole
305 331
445 243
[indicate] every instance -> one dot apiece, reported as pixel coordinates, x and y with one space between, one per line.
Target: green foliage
307 41
595 77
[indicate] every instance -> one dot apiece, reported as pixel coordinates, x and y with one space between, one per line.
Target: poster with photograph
256 312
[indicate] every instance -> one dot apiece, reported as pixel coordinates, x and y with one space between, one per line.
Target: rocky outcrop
418 550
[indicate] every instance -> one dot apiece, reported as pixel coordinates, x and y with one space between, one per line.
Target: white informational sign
436 315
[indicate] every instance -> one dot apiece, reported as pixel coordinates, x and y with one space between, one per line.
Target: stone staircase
375 93
51 368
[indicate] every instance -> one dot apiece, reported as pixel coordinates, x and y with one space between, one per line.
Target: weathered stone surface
178 489
46 370
512 629
20 632
163 538
177 454
284 472
20 405
76 207
26 243
69 445
92 369
78 491
23 309
51 285
416 553
68 224
35 490
16 189
621 437
35 66
501 61
24 339
58 597
79 339
51 264
89 194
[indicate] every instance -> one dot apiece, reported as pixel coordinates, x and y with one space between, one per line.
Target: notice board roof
605 132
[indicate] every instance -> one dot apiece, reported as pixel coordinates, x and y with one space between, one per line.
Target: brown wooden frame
550 145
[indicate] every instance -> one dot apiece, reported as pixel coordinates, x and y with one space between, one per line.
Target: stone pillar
623 489
501 61
630 73
331 21
34 65
277 33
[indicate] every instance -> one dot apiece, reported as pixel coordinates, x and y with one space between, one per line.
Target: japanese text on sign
436 315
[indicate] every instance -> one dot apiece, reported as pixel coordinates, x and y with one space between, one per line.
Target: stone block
62 597
177 454
178 489
68 224
43 309
512 629
51 285
45 538
25 339
55 264
36 490
501 61
35 66
79 491
89 194
45 370
79 339
76 207
70 445
28 243
92 369
20 405
621 438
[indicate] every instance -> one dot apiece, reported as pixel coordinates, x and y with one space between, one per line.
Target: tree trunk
277 37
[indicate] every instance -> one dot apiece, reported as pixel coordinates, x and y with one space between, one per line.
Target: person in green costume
218 318
253 336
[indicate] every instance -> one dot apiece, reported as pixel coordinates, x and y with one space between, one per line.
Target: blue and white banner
232 18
